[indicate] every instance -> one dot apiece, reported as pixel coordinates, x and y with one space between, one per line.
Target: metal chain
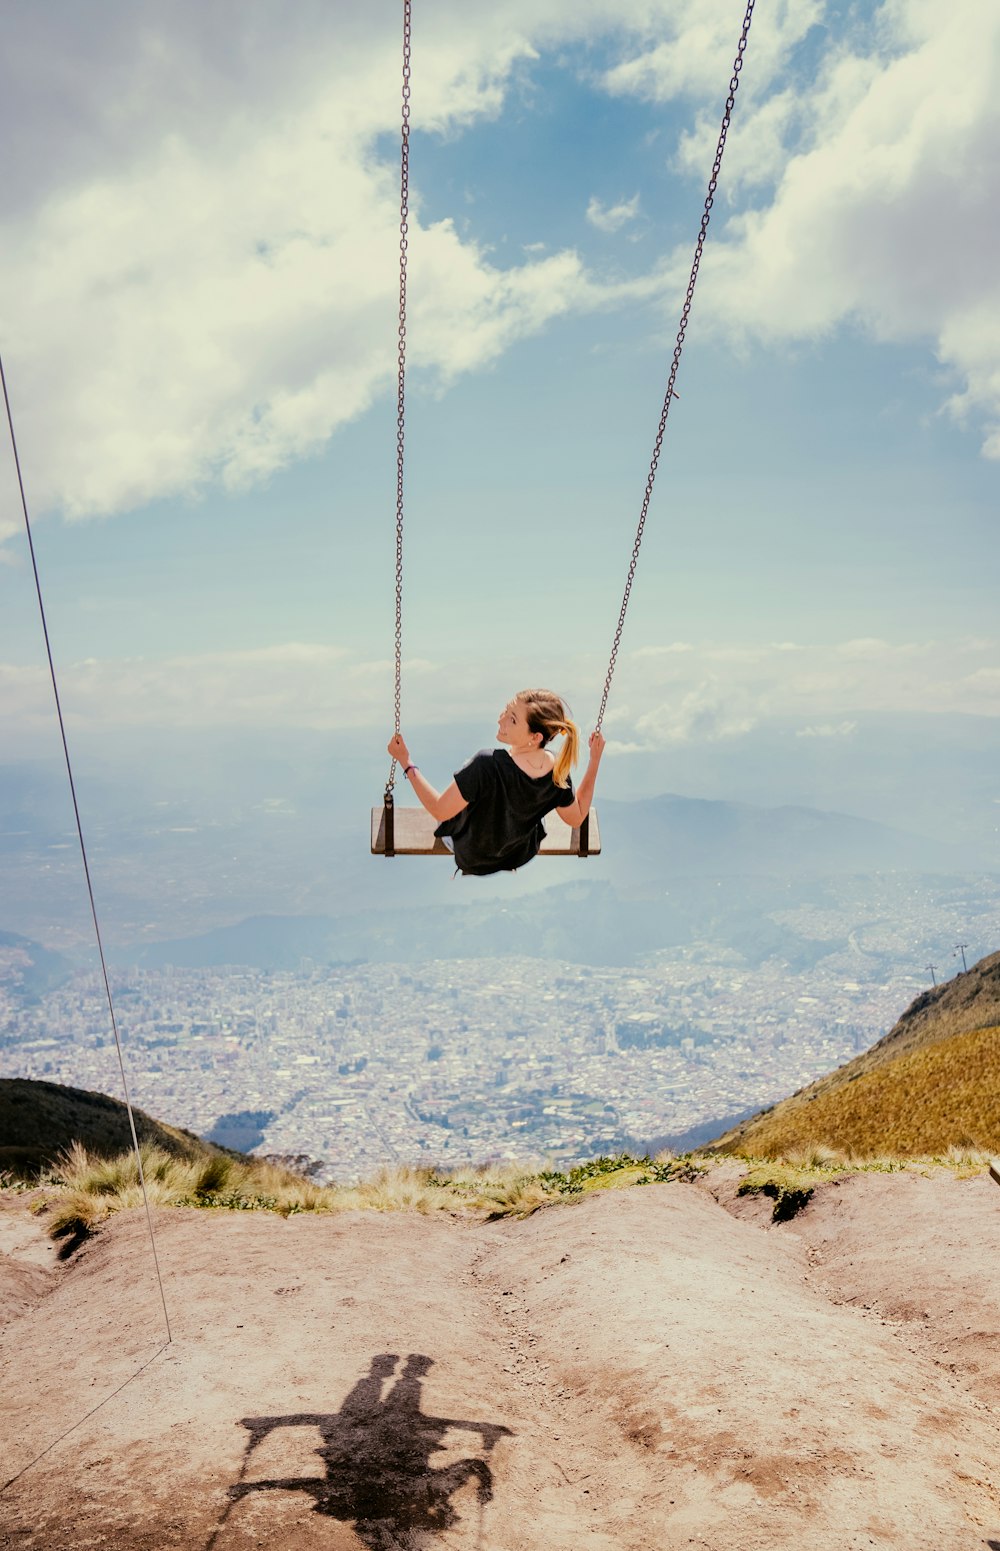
678 347
404 211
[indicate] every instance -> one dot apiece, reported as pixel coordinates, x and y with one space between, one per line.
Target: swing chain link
678 347
404 211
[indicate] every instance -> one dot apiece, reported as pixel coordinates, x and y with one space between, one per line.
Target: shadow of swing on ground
376 1455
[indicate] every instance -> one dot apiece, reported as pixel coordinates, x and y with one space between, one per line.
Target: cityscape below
279 993
346 1068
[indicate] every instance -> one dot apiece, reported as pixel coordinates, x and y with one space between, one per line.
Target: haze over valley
718 956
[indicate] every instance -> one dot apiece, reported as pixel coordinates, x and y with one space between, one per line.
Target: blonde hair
547 715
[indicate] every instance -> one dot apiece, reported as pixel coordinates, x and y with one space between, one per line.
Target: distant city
718 957
353 1067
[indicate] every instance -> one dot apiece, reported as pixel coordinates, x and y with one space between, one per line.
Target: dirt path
645 1369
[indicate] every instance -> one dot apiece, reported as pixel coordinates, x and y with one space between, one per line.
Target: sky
198 287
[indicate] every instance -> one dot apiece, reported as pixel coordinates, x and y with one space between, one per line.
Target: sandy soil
660 1367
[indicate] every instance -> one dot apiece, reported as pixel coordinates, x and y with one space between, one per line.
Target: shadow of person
376 1452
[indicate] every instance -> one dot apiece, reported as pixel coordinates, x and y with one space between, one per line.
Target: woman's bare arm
577 810
440 805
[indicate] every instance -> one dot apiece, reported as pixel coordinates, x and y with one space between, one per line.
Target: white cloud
199 236
707 713
756 146
706 695
206 290
721 692
611 218
868 647
198 251
700 33
884 210
170 333
290 684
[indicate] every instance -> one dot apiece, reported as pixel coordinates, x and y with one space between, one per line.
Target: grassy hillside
41 1120
969 1001
930 1084
925 1101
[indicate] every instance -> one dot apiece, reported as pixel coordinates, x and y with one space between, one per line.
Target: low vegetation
790 1181
81 1190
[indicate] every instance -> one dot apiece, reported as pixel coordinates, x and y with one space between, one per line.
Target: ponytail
546 714
568 754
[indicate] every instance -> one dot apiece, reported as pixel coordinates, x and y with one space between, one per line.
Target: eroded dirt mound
642 1369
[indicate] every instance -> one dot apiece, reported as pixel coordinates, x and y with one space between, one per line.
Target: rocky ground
657 1367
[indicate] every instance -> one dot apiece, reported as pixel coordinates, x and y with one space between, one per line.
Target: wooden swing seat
413 835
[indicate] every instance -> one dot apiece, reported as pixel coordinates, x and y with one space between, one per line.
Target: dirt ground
658 1367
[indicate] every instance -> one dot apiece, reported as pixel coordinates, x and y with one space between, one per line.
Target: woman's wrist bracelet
409 768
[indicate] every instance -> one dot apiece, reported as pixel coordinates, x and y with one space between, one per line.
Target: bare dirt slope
659 1367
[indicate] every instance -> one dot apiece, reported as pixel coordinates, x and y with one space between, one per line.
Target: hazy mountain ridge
576 923
28 970
686 836
673 868
585 923
35 806
173 861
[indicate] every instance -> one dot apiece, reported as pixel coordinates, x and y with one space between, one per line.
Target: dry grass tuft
814 1157
81 1191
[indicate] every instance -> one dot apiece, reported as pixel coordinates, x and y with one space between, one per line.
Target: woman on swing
491 814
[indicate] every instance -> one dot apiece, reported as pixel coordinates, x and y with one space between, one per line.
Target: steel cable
83 848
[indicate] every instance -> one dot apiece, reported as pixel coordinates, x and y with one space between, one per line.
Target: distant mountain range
930 1084
689 837
201 835
673 868
576 923
33 969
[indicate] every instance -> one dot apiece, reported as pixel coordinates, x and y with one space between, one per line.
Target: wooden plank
414 835
995 1170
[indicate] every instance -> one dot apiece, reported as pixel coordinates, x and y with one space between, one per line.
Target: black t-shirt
502 827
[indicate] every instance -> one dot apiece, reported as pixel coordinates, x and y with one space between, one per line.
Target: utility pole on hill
960 947
933 976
